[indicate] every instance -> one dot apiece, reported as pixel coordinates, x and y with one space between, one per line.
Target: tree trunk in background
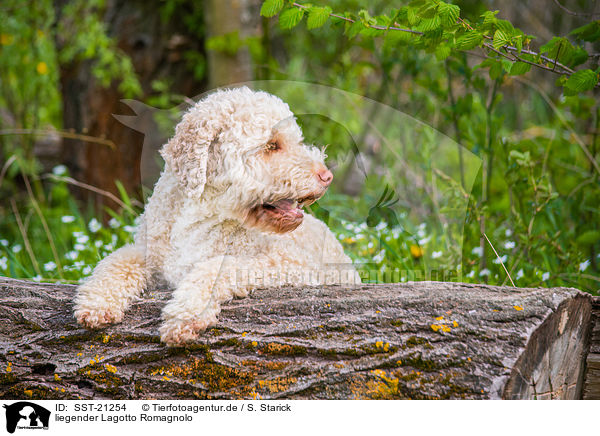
228 17
156 47
391 341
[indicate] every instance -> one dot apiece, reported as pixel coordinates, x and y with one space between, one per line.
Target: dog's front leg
115 282
197 299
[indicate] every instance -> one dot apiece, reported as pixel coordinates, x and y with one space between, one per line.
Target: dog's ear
186 154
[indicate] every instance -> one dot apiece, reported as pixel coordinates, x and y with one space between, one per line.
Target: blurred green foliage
461 69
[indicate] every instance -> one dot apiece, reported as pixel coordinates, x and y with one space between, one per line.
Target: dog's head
243 152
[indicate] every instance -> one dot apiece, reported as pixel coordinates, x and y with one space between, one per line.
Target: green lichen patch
277 349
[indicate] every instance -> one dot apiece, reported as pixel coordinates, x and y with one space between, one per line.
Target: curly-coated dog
225 217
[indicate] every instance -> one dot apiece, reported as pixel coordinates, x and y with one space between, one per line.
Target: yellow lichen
277 385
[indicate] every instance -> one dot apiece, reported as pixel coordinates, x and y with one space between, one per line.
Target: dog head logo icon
26 415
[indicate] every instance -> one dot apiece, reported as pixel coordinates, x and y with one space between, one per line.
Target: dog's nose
325 177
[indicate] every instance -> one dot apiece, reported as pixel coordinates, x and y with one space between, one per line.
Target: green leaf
489 18
519 68
396 37
429 24
411 16
588 238
560 49
442 52
590 32
469 40
354 29
366 18
496 70
317 17
580 56
582 80
506 27
449 14
270 8
290 18
500 39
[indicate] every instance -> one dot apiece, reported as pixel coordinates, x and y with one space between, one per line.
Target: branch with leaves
437 27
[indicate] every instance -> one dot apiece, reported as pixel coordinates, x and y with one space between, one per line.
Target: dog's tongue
287 206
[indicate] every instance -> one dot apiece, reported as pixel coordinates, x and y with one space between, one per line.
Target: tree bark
157 48
392 341
229 17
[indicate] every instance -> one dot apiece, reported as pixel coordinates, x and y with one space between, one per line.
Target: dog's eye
273 146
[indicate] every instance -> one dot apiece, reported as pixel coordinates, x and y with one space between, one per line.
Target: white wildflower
87 270
49 266
129 229
37 278
545 276
370 244
94 225
98 243
16 248
584 265
379 256
520 273
499 260
436 254
4 242
71 255
477 251
484 272
114 223
78 234
59 170
508 233
3 262
381 226
509 245
424 241
83 239
79 247
67 219
471 274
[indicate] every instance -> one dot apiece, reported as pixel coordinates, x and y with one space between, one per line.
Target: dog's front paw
97 317
176 332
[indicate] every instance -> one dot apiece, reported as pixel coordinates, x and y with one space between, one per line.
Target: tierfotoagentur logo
25 415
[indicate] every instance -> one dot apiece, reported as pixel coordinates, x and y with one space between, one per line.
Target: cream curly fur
221 220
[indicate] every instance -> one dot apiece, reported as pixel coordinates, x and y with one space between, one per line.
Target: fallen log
390 341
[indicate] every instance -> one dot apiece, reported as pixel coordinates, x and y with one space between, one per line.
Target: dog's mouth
287 206
280 216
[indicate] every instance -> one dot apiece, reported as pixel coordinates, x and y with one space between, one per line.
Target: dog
225 217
